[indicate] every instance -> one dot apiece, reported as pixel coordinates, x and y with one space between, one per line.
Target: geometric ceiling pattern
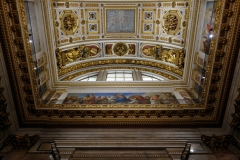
61 41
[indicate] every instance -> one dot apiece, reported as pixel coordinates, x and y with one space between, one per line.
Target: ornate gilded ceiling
130 32
84 37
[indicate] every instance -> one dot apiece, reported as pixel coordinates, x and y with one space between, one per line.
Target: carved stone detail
4 121
21 142
218 143
236 117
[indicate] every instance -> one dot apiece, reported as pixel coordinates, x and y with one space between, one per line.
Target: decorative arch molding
151 70
125 62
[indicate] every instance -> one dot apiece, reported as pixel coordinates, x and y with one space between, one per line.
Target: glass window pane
147 79
128 79
128 75
110 79
119 75
111 75
111 72
92 79
119 79
157 77
119 71
86 79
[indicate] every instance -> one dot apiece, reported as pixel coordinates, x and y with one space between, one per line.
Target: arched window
151 77
119 76
88 77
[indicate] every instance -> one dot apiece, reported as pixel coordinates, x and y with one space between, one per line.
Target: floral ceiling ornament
69 22
172 22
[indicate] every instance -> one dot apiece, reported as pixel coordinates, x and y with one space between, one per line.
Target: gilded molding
72 76
69 69
225 53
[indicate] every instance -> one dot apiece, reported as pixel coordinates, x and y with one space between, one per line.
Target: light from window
150 77
88 78
119 76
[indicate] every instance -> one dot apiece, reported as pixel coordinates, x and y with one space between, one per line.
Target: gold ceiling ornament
120 49
76 54
184 24
174 56
173 4
172 22
69 22
70 39
67 4
170 40
83 22
82 52
59 58
56 23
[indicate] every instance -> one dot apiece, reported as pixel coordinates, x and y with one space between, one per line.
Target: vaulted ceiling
185 43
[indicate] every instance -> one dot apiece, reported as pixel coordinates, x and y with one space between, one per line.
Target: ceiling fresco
166 42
